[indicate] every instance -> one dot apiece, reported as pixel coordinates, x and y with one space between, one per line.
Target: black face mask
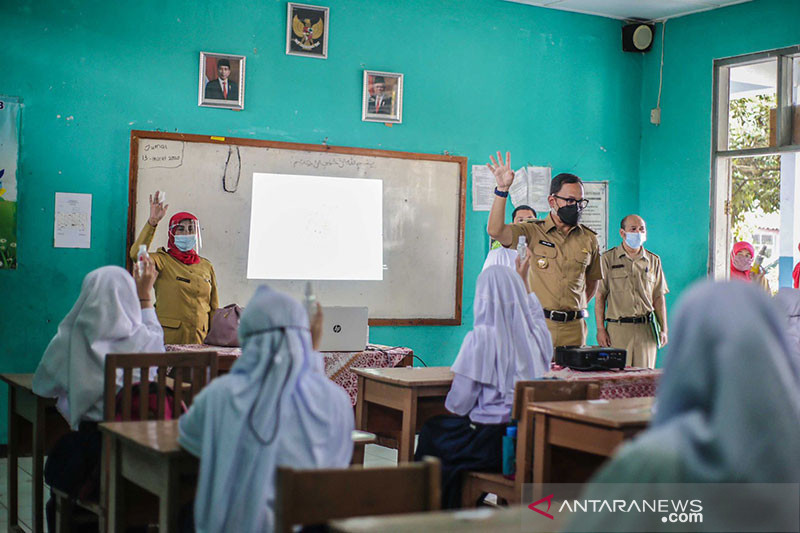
569 214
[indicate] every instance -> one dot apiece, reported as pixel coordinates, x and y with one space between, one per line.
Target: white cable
661 70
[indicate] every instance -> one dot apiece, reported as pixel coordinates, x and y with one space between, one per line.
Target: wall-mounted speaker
637 37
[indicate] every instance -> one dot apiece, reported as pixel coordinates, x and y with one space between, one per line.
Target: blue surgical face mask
635 240
184 243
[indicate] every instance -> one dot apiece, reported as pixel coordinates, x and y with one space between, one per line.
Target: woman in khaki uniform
186 288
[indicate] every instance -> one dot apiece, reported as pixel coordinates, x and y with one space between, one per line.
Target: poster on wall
595 216
9 156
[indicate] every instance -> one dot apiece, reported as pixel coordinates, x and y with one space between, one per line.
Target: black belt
565 316
630 320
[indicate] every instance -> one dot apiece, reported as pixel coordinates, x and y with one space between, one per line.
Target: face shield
186 235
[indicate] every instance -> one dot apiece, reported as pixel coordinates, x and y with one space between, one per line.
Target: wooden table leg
116 488
541 455
405 448
37 457
13 451
169 504
358 454
361 406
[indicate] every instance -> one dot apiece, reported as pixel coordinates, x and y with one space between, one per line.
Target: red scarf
187 258
796 274
738 247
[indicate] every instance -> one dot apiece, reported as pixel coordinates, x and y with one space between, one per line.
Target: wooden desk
483 519
592 426
34 425
147 454
394 402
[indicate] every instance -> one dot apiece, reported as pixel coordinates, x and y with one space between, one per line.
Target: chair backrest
307 497
191 371
545 390
552 390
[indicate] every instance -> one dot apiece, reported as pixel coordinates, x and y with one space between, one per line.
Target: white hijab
275 407
728 404
789 300
509 341
107 318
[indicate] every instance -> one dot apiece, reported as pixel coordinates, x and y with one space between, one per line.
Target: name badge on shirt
183 279
617 266
547 243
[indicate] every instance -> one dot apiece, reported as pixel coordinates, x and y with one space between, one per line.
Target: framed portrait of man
307 29
221 81
382 99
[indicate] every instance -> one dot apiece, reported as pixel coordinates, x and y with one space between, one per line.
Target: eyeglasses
582 203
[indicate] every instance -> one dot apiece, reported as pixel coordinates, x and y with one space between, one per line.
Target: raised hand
502 171
157 211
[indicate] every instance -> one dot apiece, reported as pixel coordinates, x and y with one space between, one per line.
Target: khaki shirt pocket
171 323
544 257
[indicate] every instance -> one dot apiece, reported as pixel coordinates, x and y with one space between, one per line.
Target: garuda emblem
306 33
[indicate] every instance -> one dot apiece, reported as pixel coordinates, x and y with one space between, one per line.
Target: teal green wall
552 87
674 190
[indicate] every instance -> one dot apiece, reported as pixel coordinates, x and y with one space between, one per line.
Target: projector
590 357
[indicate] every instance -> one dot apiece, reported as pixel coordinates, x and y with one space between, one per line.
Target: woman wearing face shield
186 288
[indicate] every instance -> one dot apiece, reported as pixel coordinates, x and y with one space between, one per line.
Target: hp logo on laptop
337 328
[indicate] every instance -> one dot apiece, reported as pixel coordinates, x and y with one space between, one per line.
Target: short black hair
561 179
223 63
522 208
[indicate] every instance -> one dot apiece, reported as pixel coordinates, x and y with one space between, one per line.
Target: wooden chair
476 485
309 497
192 371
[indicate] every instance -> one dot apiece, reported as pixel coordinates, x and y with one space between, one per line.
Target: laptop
344 329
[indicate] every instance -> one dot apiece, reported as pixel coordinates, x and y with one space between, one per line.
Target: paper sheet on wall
531 187
483 184
595 215
73 220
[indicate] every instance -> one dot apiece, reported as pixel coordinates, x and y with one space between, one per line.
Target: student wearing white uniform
275 407
500 255
727 411
113 314
789 301
509 342
109 317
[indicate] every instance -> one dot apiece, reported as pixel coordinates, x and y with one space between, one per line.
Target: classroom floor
374 456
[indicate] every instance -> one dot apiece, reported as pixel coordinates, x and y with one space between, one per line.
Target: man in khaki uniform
633 288
565 263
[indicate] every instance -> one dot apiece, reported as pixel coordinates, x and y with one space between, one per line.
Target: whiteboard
423 216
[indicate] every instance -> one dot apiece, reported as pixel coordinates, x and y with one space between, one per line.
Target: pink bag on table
224 330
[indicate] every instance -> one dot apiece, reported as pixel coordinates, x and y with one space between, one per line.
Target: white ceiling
633 9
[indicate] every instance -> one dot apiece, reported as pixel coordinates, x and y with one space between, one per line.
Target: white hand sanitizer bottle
522 248
140 258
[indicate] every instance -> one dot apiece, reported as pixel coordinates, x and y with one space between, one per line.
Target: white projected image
315 228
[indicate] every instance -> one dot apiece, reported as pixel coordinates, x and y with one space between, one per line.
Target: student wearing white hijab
728 411
276 407
789 301
109 317
509 342
113 314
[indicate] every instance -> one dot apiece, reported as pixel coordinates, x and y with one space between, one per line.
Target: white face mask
635 240
184 243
